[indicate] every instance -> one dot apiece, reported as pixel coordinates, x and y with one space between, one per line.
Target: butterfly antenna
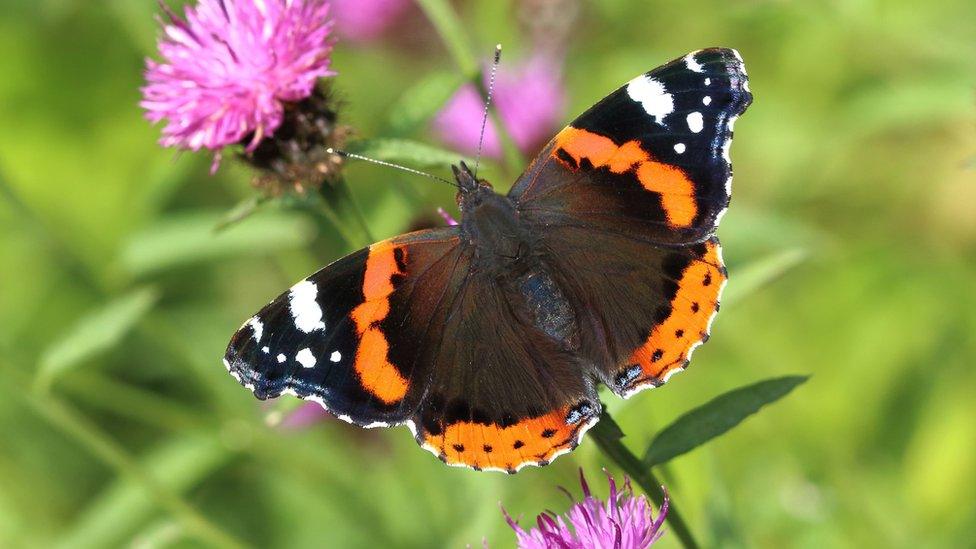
345 154
484 117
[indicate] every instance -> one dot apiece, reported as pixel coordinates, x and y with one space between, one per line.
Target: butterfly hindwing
644 307
503 393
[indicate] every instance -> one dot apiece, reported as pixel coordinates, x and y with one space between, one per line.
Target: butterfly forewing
650 160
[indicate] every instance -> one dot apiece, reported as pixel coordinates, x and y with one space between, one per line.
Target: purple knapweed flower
624 521
309 413
529 100
229 67
363 20
448 218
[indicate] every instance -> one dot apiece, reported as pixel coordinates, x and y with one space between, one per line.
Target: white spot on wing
265 349
708 81
257 326
305 358
696 122
304 309
652 95
692 63
679 148
707 100
336 356
281 357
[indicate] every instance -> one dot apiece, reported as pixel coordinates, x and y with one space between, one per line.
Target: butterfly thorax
504 252
490 224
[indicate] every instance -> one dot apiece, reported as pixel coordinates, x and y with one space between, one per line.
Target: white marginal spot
265 349
336 356
707 100
304 309
257 326
305 358
281 357
692 63
708 81
696 122
652 95
679 148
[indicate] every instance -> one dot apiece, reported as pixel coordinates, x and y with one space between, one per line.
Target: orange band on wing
666 349
535 440
378 376
676 189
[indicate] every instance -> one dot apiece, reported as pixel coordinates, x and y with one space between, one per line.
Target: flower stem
607 435
357 212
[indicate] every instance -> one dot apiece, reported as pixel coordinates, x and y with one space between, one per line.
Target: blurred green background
852 233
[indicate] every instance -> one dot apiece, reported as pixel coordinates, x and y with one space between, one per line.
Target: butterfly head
467 182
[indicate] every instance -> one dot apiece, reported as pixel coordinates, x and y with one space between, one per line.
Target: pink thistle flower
230 66
624 521
309 413
363 20
529 99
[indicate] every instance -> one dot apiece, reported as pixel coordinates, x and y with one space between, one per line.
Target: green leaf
759 273
405 151
190 238
716 417
422 101
95 332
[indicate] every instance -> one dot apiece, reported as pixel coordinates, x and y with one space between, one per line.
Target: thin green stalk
332 215
607 435
452 33
346 193
102 446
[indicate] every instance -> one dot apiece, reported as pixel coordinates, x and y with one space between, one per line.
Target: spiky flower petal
624 521
229 67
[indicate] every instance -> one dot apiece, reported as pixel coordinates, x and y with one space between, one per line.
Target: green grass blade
452 33
716 417
754 276
124 506
94 333
190 238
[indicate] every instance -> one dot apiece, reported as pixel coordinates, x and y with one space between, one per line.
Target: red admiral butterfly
488 339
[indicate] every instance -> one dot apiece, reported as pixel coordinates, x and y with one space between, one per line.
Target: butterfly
489 339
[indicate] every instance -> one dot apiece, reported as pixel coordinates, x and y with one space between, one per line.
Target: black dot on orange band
708 279
548 433
679 333
487 448
658 353
459 447
694 307
518 444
